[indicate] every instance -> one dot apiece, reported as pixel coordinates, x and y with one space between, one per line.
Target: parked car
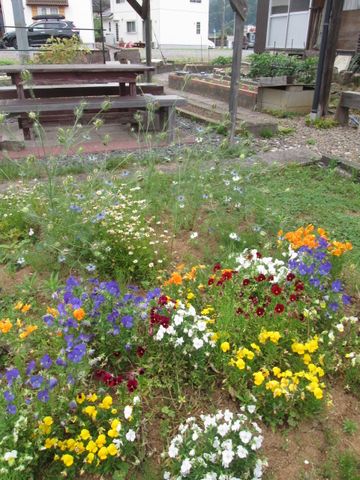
251 39
44 27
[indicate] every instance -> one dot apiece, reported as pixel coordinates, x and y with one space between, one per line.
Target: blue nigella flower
336 286
77 353
325 268
31 367
127 321
12 375
46 361
11 408
43 396
36 381
9 396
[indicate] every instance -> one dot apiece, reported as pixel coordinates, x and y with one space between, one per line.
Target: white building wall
80 12
173 22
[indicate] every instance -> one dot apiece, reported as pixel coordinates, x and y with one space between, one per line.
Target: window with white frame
288 24
131 27
48 10
117 31
198 28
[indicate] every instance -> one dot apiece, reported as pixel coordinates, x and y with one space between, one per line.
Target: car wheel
14 44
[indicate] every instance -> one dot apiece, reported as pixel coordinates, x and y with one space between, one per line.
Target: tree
96 5
216 12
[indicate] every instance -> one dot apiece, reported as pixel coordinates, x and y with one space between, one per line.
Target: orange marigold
5 325
79 314
175 279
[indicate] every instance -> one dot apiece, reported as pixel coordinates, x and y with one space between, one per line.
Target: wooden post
144 11
330 55
240 9
148 36
21 30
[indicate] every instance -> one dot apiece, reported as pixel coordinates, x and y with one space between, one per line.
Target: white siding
173 22
352 5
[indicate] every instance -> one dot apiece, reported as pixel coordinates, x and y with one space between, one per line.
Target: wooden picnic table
76 74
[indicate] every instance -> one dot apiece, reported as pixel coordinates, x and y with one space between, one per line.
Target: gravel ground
341 143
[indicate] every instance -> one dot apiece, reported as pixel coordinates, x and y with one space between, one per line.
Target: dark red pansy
246 282
163 300
279 308
132 385
260 278
164 321
258 255
290 277
140 351
293 298
239 311
270 278
267 300
141 371
299 286
254 299
275 289
117 354
301 317
217 267
227 275
260 312
211 281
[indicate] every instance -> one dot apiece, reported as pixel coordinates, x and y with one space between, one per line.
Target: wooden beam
235 73
330 55
137 7
145 8
148 36
240 7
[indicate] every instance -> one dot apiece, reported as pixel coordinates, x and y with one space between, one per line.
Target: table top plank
68 68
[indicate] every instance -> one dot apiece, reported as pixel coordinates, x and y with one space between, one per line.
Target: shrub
269 65
62 50
221 60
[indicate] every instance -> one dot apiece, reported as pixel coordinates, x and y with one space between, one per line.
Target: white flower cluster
187 331
222 446
250 260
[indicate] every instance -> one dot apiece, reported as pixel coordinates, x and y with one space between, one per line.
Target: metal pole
102 32
235 74
320 69
21 30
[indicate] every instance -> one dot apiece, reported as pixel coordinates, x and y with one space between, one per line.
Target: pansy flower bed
266 330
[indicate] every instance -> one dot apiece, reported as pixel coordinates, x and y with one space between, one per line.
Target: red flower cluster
112 381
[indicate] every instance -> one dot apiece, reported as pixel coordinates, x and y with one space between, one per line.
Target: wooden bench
347 100
122 108
7 93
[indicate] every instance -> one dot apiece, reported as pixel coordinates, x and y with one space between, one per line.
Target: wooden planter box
290 98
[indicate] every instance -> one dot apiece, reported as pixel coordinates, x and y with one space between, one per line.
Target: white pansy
185 467
251 408
245 436
241 452
193 235
198 343
128 411
173 451
223 429
166 476
227 457
130 436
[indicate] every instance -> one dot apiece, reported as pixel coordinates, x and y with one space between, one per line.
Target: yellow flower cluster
243 354
265 335
92 448
287 383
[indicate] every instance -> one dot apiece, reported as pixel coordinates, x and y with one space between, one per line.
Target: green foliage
267 133
349 466
350 427
321 123
268 65
221 60
61 50
281 113
7 61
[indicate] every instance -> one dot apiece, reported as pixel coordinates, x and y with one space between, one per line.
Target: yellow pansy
85 434
103 453
225 347
67 460
112 450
